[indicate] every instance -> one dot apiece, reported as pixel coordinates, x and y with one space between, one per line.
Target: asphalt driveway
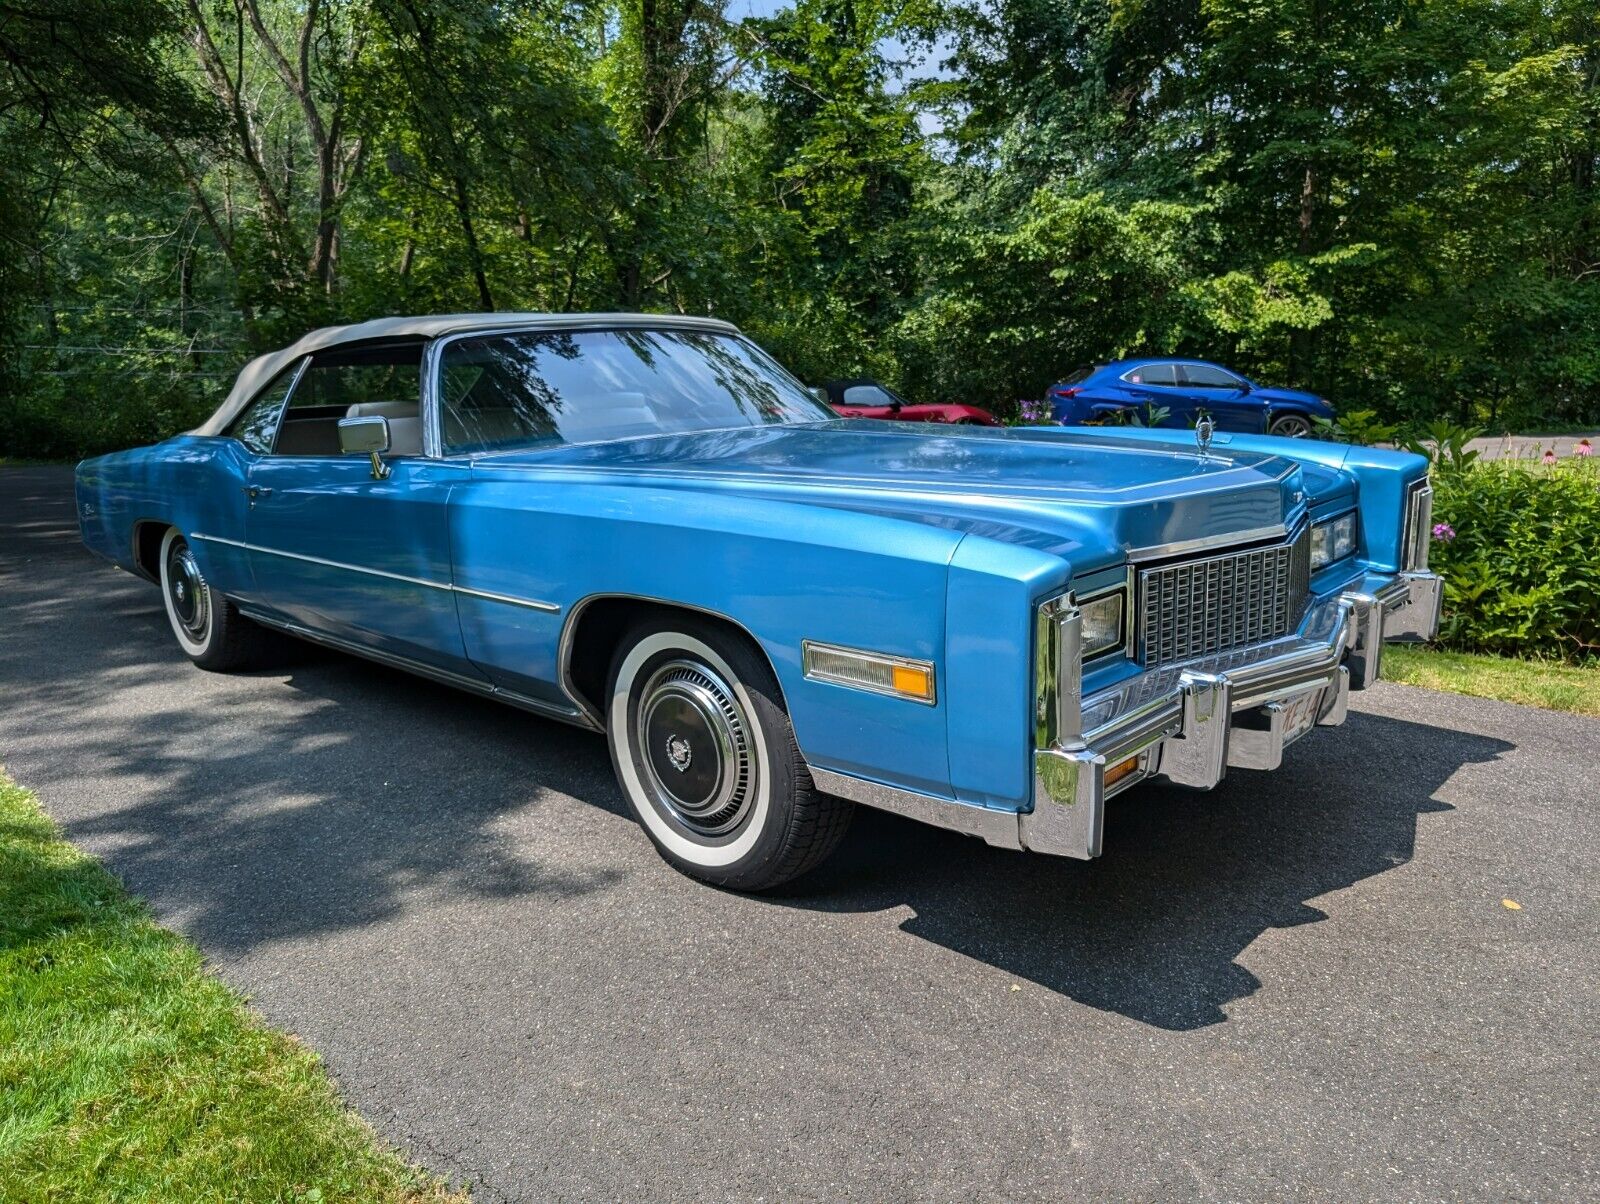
1305 984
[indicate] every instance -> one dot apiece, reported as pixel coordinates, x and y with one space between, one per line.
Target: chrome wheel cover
187 596
694 746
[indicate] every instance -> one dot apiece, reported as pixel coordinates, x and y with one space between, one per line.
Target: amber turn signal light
1115 773
875 671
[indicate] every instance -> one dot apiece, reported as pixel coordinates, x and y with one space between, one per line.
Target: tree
835 158
272 189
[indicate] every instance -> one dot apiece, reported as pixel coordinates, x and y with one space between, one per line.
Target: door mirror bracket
368 436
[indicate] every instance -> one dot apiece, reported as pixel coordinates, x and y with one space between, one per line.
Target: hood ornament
1203 430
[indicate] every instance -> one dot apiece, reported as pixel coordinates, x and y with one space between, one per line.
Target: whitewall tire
704 753
208 627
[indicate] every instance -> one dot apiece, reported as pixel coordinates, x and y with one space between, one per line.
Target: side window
1153 374
867 395
258 423
383 379
1205 376
343 378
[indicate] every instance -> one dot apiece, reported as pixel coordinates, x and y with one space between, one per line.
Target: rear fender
194 483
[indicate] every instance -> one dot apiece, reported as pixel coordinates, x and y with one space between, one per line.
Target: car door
340 552
1224 396
219 488
1156 386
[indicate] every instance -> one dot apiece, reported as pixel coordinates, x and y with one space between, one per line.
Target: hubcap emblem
181 590
679 753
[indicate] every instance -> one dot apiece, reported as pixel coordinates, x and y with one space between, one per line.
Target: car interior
405 423
355 382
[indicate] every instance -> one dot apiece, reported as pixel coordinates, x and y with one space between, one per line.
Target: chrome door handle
258 491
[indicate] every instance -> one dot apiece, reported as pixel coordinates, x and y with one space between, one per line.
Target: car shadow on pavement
271 822
1151 930
254 817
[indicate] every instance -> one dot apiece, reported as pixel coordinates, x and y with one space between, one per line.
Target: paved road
1529 447
1303 985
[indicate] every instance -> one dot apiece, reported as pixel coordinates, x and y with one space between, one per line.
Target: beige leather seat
405 423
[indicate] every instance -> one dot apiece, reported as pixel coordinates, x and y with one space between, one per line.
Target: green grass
129 1073
1547 684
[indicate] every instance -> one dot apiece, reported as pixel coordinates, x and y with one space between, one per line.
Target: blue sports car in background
1184 388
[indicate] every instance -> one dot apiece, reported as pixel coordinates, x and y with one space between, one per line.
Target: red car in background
866 398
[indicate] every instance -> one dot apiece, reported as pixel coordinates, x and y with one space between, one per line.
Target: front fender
783 571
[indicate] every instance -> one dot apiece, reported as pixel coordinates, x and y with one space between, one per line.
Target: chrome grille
1197 607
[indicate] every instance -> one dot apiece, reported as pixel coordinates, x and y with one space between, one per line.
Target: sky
928 69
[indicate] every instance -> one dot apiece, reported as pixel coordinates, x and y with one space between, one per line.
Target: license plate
1299 714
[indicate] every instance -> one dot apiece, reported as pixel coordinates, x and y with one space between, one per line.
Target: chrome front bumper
1188 723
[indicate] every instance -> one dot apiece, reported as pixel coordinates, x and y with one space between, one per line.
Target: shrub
65 418
1446 445
1355 426
1519 548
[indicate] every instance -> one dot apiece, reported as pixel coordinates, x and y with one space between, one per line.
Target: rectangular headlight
1103 620
1333 540
877 672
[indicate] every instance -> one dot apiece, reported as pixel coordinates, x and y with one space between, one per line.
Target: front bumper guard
1187 724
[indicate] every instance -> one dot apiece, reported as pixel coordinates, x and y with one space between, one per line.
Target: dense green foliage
129 1073
1521 558
1392 202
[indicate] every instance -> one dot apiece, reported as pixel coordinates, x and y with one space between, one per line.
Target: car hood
1065 491
1269 394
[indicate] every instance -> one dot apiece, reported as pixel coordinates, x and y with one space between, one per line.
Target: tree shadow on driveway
321 794
1151 929
254 811
376 793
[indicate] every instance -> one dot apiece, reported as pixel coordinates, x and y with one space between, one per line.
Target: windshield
586 386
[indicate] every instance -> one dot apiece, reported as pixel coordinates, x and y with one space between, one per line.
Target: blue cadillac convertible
644 526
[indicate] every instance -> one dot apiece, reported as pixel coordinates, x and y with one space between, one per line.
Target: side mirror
366 436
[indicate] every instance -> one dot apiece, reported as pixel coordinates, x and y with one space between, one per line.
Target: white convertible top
263 368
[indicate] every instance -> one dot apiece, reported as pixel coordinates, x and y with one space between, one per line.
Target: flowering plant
1035 412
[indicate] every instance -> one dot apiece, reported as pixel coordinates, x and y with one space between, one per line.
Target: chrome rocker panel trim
549 710
1185 723
444 586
